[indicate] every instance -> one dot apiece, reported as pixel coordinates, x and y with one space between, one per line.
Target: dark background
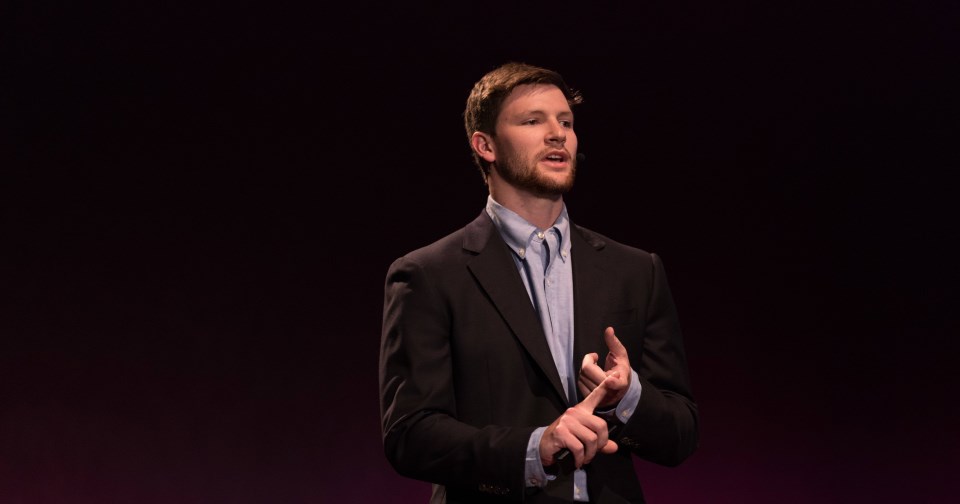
200 202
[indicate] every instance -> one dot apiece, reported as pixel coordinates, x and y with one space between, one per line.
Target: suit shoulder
444 251
454 248
610 246
439 248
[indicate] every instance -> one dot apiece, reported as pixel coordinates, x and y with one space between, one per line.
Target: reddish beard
522 174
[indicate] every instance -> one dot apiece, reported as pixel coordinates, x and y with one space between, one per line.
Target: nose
557 136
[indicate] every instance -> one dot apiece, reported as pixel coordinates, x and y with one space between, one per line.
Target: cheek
534 146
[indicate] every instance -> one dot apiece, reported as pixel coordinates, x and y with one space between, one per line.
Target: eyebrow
541 112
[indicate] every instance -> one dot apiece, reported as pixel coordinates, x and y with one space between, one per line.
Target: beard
523 174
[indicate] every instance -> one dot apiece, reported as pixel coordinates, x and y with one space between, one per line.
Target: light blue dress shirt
543 259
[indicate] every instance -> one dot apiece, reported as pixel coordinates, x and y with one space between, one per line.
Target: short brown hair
487 96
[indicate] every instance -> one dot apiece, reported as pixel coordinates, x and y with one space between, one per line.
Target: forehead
527 98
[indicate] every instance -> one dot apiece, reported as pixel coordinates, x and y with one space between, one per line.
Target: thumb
613 343
610 447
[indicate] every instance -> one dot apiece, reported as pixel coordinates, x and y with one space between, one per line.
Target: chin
556 187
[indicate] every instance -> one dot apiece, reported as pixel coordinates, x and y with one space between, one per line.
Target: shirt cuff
533 473
627 405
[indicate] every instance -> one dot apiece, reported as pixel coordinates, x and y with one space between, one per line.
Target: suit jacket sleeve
422 436
663 429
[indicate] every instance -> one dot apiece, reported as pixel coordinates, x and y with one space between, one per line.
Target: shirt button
521 252
626 413
534 482
540 234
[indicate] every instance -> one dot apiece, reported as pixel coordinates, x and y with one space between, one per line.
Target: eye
566 123
530 121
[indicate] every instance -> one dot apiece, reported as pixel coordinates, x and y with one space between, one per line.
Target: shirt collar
518 233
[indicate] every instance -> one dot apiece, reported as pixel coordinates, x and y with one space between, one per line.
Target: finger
613 343
603 435
596 397
591 373
567 439
588 439
591 431
586 387
590 359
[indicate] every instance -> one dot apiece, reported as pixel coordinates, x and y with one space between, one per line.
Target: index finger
598 394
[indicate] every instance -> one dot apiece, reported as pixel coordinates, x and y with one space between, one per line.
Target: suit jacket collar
496 272
588 303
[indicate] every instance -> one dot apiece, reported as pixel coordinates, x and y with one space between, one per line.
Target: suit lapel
588 303
496 271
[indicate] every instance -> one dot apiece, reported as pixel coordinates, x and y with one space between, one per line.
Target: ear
482 144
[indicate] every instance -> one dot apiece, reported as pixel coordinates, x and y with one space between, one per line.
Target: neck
540 210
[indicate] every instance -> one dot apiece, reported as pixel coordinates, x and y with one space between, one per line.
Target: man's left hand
592 375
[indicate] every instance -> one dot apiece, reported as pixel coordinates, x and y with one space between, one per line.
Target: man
490 374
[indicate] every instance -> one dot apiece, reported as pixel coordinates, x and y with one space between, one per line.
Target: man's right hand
579 430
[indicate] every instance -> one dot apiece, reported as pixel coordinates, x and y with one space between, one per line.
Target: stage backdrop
200 201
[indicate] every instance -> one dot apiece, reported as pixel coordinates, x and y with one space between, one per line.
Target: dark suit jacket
466 374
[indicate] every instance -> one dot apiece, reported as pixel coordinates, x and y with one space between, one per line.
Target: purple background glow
200 202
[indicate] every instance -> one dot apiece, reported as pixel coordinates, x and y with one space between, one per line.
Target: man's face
536 147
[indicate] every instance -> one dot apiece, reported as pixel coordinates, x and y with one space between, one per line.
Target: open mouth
556 157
